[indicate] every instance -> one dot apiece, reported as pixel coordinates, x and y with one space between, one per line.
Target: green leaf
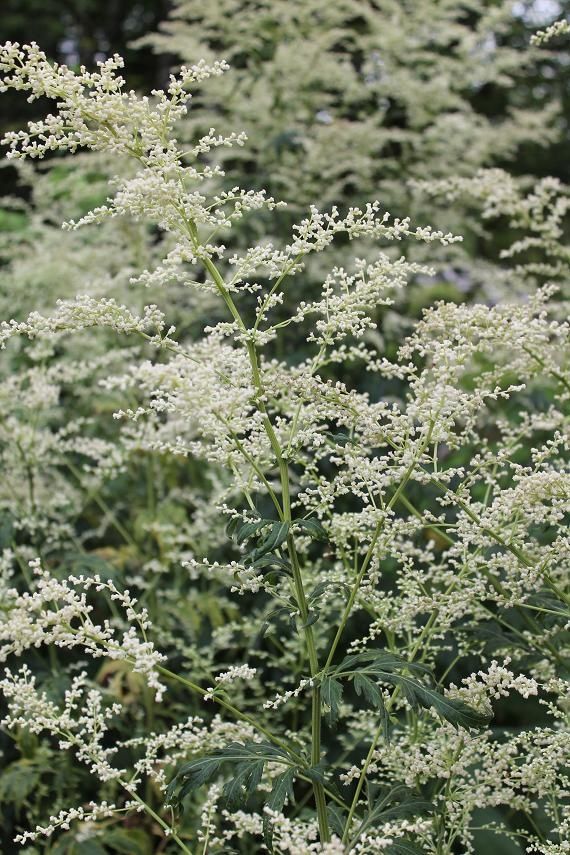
18 781
273 561
315 773
373 661
341 438
244 783
545 600
191 776
313 527
248 760
337 819
131 842
312 618
405 810
363 685
67 845
277 535
248 529
282 790
232 526
318 591
384 667
394 804
331 694
453 710
405 847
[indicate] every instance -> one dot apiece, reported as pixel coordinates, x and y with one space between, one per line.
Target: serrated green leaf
244 783
337 819
249 529
373 660
453 710
275 538
248 759
313 527
366 687
191 776
387 667
282 789
331 694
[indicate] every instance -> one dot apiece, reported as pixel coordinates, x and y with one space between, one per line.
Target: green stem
320 801
164 825
237 713
370 552
316 709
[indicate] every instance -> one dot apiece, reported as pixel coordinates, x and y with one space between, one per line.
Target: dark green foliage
364 668
247 762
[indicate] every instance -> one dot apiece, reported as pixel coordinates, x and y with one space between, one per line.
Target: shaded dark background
83 31
80 32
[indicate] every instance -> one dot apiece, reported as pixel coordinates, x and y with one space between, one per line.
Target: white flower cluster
82 725
57 612
496 682
236 672
85 312
64 819
558 28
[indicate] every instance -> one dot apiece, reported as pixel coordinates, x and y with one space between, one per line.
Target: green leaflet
383 661
337 819
248 761
245 782
363 685
331 694
277 535
249 529
313 527
281 791
366 668
394 804
456 712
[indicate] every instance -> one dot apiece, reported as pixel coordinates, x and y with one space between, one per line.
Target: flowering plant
387 528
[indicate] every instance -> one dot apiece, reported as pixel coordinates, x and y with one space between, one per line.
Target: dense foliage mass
285 488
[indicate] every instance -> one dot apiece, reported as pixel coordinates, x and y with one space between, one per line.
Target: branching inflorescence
400 539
